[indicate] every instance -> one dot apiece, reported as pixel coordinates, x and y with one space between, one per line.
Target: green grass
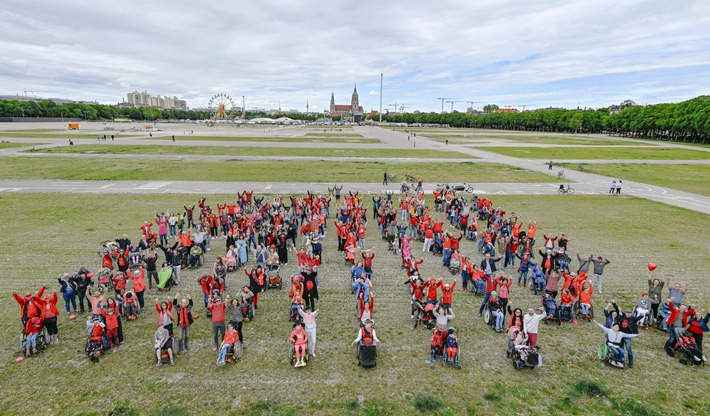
533 139
654 153
11 145
630 231
277 139
258 171
67 135
334 134
254 151
689 178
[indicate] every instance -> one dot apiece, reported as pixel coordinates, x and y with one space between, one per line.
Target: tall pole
381 81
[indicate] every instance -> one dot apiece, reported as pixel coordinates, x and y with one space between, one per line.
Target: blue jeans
465 278
629 352
412 231
32 340
486 297
480 285
585 309
617 352
447 257
499 319
223 351
172 229
69 297
523 275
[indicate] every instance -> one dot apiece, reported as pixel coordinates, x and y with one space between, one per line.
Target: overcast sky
512 53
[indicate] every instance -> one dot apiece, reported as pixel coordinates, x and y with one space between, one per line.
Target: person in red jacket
110 314
566 302
28 309
138 276
231 337
367 257
33 328
217 307
49 312
448 295
432 285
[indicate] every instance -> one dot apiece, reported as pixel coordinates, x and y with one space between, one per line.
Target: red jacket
448 293
34 326
231 337
32 309
217 311
111 318
138 282
432 289
675 313
49 308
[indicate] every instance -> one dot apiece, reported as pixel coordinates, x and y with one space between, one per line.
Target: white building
142 99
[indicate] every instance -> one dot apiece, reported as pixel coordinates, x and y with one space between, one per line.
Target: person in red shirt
448 295
49 312
367 257
28 308
110 314
566 302
33 328
217 307
138 276
299 337
432 285
231 337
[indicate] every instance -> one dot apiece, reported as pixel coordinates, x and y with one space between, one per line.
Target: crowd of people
260 234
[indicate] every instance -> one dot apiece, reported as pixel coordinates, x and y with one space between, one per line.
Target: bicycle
410 178
581 168
561 174
565 191
392 178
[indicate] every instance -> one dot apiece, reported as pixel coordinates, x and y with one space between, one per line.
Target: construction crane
402 107
442 102
455 101
33 92
393 105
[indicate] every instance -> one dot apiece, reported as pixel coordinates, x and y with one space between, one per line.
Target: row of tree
684 121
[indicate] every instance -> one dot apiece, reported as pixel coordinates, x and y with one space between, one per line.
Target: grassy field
254 151
258 171
689 178
11 145
68 135
314 139
654 153
525 139
333 134
629 231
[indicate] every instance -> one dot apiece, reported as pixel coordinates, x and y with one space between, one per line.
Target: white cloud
546 52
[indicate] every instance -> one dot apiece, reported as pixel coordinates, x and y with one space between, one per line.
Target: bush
634 408
427 403
590 388
493 396
171 410
123 409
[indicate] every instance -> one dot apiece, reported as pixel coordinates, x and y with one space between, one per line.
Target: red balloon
652 266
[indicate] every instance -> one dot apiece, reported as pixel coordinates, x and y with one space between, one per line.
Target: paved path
585 183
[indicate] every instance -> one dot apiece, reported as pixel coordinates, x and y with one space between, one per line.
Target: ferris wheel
220 106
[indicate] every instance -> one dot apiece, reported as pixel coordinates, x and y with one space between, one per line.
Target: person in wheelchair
452 346
299 338
231 337
194 256
550 305
33 329
566 303
614 340
163 342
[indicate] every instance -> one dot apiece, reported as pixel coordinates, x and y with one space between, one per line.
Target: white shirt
531 323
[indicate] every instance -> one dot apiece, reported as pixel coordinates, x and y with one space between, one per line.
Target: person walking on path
612 188
385 179
618 187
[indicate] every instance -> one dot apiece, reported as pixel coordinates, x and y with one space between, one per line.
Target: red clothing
586 296
448 293
567 298
97 332
49 308
111 318
167 310
34 326
367 260
432 288
231 337
206 284
138 282
455 242
299 336
217 311
32 309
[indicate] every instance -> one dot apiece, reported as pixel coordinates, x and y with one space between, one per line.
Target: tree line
687 121
94 112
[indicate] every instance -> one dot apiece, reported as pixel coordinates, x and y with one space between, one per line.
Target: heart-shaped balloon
652 266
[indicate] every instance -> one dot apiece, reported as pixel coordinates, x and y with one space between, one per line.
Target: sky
532 54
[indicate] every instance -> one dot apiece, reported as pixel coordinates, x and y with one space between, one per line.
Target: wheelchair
578 311
42 340
292 354
234 353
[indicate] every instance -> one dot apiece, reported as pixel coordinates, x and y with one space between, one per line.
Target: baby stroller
134 256
105 276
425 316
231 261
366 355
96 342
455 265
165 278
274 279
690 353
524 356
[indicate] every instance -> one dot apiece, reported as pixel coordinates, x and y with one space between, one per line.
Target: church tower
332 103
355 102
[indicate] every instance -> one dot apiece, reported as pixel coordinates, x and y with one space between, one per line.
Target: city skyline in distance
506 53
